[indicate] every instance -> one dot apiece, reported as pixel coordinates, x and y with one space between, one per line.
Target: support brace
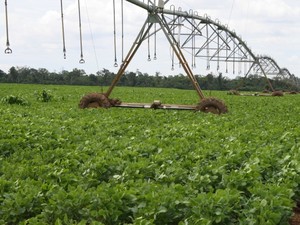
137 43
155 18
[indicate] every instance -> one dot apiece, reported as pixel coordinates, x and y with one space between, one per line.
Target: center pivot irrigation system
197 37
191 37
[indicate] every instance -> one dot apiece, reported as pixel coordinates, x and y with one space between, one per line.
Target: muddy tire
295 219
212 105
115 102
293 92
94 100
277 93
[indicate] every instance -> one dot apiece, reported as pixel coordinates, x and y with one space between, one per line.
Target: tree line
252 82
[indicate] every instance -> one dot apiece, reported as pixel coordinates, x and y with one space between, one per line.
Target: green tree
3 76
13 75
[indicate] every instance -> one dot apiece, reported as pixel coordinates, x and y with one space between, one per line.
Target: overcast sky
270 27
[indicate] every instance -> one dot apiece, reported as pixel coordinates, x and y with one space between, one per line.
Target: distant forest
104 77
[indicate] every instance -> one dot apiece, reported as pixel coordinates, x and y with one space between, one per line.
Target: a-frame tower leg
174 44
137 43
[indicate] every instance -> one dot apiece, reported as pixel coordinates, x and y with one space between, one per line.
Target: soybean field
60 164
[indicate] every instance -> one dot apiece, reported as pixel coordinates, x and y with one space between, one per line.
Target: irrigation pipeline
195 16
237 54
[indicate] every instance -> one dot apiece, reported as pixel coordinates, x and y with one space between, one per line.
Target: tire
277 93
293 92
212 105
94 100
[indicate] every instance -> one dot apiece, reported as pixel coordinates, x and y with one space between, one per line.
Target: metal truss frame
195 36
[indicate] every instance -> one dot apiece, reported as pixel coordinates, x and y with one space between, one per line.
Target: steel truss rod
270 65
265 75
244 78
285 71
174 44
218 42
143 35
289 78
215 37
254 65
137 43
